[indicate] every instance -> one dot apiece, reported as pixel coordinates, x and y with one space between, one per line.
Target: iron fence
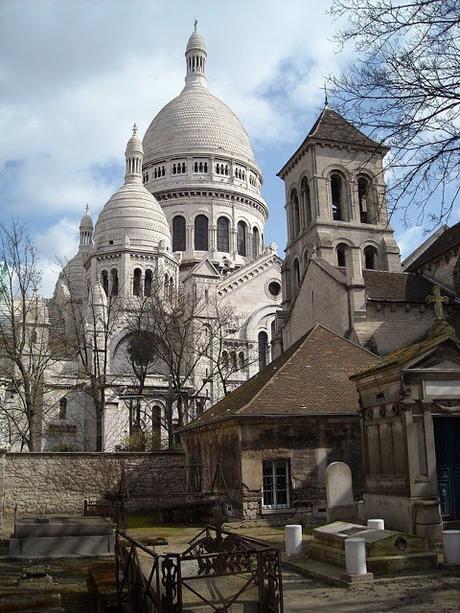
248 569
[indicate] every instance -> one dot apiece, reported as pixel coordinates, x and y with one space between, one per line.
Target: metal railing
166 583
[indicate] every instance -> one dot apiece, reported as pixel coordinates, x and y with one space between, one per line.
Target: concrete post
355 556
293 536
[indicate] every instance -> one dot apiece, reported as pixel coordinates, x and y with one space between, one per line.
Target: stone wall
59 482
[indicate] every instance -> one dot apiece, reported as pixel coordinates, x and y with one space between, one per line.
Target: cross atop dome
195 24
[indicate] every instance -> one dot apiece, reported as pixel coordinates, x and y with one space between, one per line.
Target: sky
76 75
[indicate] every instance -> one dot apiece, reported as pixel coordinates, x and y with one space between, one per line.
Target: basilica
189 214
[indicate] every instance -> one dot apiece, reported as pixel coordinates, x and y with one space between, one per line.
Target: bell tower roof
195 57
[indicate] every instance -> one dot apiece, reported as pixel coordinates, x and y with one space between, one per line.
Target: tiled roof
449 239
397 286
333 127
310 378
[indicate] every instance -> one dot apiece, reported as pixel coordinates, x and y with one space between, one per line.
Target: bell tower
335 204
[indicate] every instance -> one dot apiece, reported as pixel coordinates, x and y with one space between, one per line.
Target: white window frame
275 490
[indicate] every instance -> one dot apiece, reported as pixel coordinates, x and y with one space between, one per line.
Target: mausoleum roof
311 378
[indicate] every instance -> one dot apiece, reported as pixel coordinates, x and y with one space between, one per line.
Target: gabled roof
449 239
418 251
311 378
205 268
333 128
387 286
442 332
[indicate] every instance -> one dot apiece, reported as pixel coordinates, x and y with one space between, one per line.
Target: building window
137 282
363 199
341 255
179 233
156 425
337 197
263 349
114 282
223 226
242 233
296 273
275 484
63 408
295 214
370 258
241 360
148 282
306 201
105 282
201 233
274 288
255 243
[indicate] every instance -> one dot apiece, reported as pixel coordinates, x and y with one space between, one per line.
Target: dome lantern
195 56
134 155
86 229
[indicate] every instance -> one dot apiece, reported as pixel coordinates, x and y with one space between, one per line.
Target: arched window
179 233
201 233
342 254
263 349
363 200
224 360
296 273
295 214
223 242
337 196
63 408
241 236
241 360
306 201
105 281
114 281
148 282
370 257
137 282
156 424
196 166
255 242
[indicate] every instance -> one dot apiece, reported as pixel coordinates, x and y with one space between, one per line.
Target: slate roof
398 286
448 240
311 378
332 127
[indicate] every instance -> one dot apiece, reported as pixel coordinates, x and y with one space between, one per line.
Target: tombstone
339 492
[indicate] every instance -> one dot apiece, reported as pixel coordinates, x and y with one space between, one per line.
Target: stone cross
195 23
438 300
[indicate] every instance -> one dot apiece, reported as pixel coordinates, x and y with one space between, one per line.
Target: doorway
447 443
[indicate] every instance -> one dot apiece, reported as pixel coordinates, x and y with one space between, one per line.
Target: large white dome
196 121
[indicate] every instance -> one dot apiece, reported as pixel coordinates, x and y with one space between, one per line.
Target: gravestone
339 492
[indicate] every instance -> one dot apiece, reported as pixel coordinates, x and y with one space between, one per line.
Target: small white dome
133 212
132 215
196 42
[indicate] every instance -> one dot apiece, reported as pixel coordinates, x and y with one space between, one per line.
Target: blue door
447 442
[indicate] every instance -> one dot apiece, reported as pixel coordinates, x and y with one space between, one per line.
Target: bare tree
186 330
27 349
404 89
91 323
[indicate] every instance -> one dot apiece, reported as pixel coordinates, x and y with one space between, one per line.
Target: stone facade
59 482
307 444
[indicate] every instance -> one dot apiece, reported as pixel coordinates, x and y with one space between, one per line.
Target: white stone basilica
190 211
